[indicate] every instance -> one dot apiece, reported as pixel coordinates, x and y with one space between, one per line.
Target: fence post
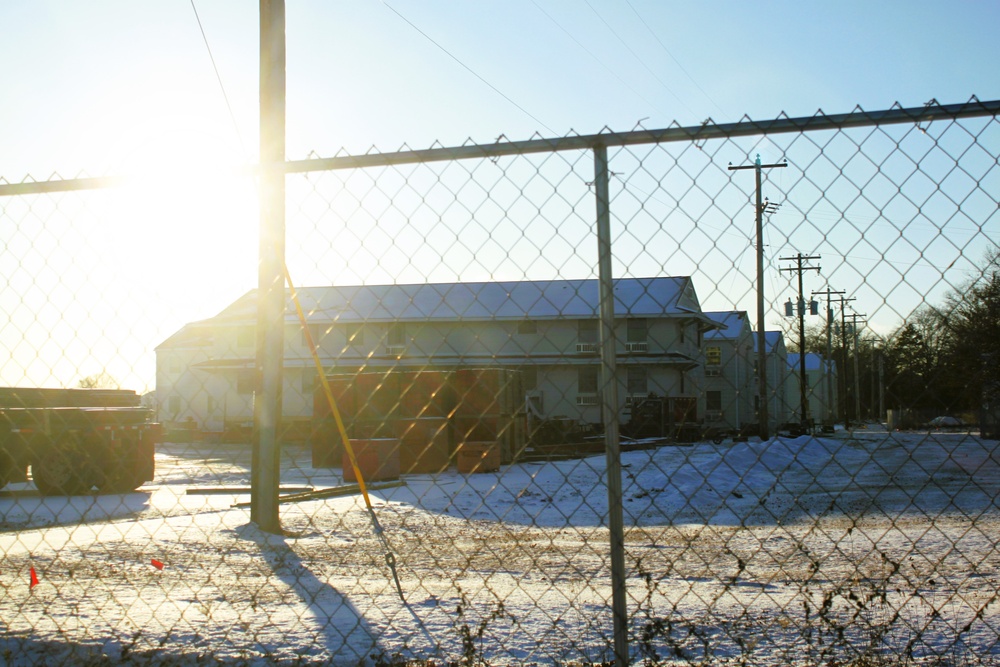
266 463
609 394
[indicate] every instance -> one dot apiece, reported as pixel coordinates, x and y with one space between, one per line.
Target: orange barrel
476 457
425 444
378 460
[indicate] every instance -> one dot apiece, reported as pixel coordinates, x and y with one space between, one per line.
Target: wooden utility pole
831 413
857 373
803 379
266 462
761 206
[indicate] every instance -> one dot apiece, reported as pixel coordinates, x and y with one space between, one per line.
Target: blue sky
119 86
89 86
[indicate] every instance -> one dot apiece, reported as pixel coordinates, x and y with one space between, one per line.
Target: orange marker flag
157 564
34 577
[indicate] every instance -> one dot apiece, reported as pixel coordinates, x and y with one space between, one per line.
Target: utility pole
857 375
843 354
760 207
803 380
830 413
265 469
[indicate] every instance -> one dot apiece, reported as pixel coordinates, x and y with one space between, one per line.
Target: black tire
118 469
63 470
120 475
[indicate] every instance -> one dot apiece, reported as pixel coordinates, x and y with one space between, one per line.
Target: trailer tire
119 469
63 470
120 476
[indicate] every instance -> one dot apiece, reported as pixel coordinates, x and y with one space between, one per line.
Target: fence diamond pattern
460 397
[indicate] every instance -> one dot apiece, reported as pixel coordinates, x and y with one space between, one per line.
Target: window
354 335
587 331
586 380
636 380
396 334
527 327
713 400
713 355
308 381
318 332
636 330
210 405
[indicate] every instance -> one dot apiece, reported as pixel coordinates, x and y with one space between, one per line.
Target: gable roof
515 300
813 361
475 301
731 323
774 340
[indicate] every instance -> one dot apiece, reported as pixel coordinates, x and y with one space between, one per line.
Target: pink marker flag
34 577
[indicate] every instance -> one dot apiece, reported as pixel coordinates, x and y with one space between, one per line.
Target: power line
641 61
590 53
672 57
467 68
218 78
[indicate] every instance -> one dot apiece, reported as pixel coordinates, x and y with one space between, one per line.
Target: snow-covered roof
813 361
773 338
516 300
731 324
475 301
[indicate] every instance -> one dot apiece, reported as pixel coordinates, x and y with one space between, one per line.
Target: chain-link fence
712 395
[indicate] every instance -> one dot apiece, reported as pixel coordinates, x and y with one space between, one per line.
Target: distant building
730 383
776 358
821 387
547 329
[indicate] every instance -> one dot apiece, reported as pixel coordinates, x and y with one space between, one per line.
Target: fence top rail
708 130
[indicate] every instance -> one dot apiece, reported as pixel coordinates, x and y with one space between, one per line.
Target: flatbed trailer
76 440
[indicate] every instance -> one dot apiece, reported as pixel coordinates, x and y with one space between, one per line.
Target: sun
188 208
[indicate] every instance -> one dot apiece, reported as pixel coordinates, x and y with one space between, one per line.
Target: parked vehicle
76 440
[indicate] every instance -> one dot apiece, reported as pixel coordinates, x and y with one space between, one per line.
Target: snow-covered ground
791 551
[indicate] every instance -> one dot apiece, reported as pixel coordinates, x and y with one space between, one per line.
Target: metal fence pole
609 393
266 464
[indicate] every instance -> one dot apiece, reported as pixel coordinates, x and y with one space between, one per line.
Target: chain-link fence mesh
447 319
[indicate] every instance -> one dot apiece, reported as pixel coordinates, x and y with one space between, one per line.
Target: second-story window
527 327
318 332
396 334
636 330
354 335
587 331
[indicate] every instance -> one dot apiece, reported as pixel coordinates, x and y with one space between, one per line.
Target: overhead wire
639 59
674 58
590 53
218 77
466 67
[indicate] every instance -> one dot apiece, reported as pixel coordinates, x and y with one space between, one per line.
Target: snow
727 547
